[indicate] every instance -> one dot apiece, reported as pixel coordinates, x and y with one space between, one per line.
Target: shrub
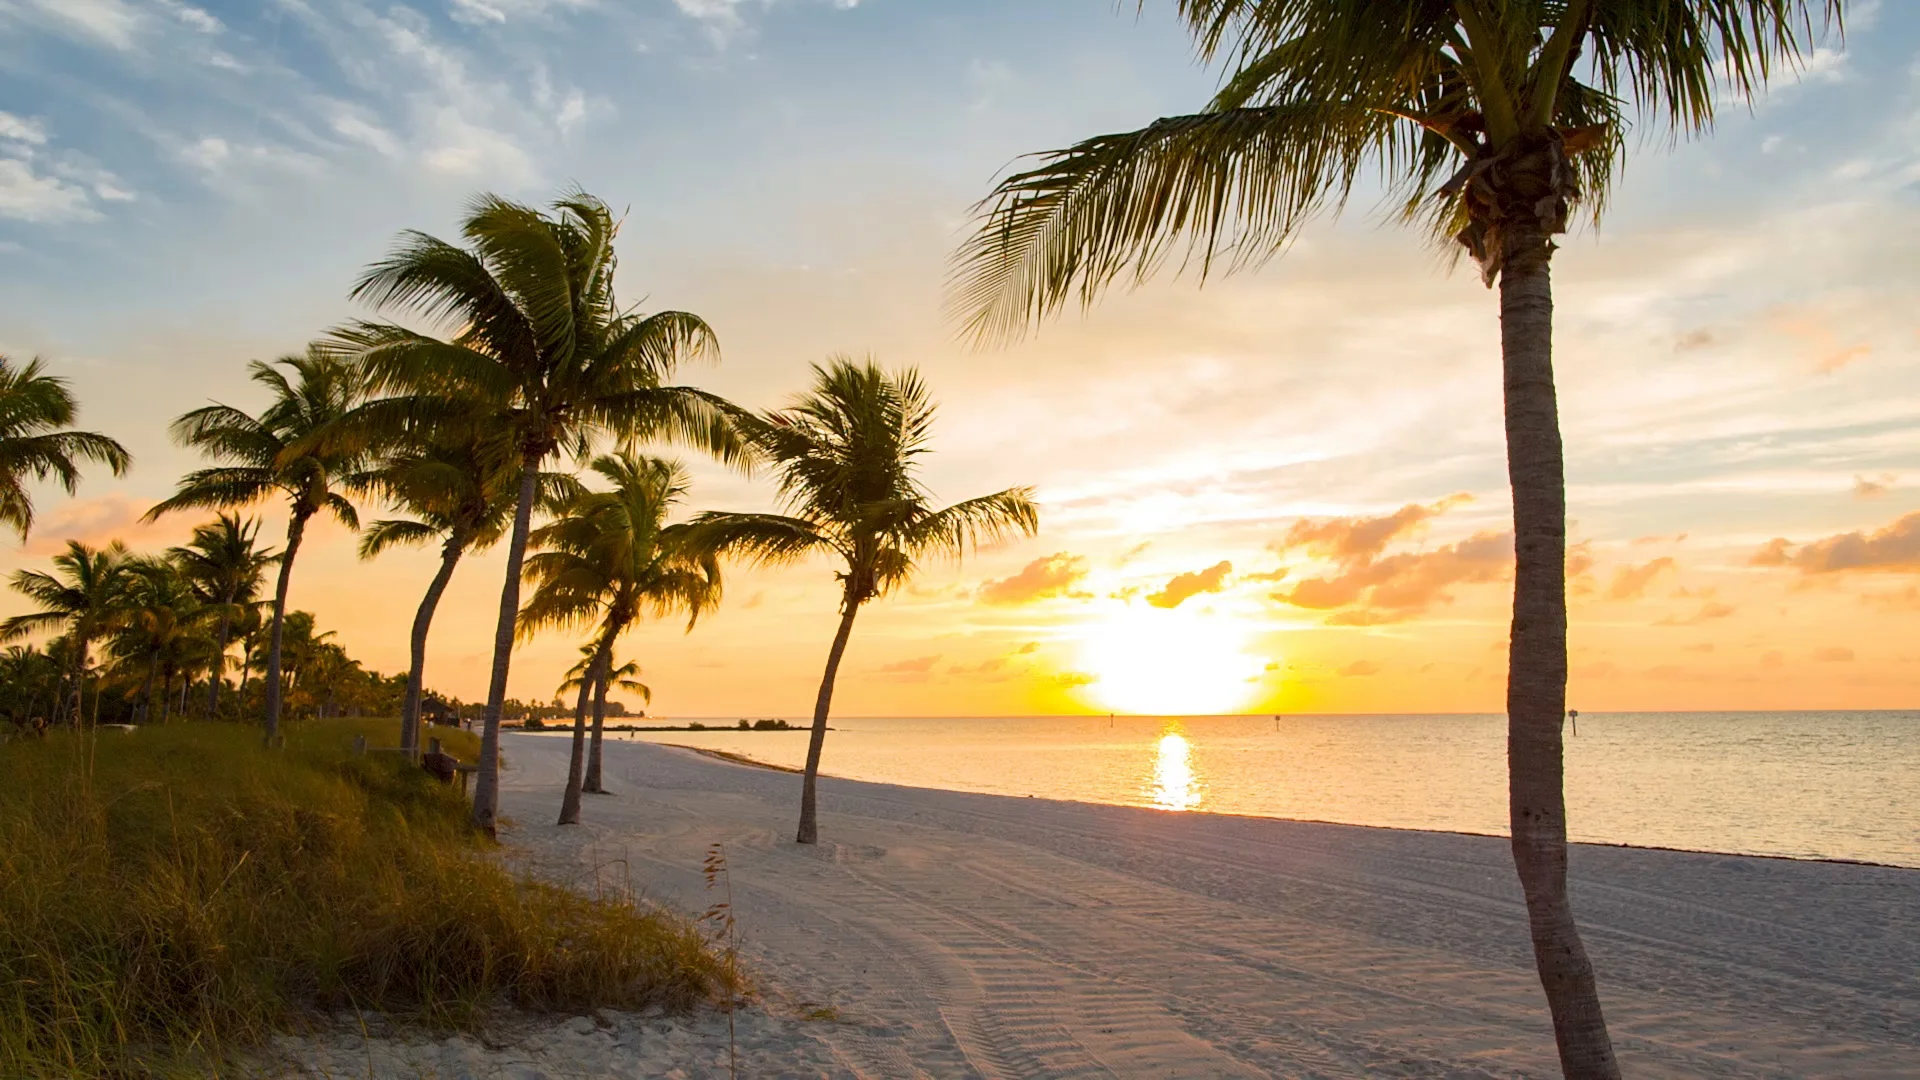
171 896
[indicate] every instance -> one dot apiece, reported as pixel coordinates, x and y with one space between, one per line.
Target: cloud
1360 669
1864 488
1632 581
1834 654
114 23
499 11
27 195
1894 549
1029 647
1043 578
919 665
1360 539
1773 659
1190 584
1072 679
1398 587
22 129
191 17
101 520
1708 613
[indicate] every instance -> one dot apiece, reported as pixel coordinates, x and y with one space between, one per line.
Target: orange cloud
1707 613
1632 581
1361 539
1864 488
1187 585
1399 587
919 665
1895 548
1837 654
1045 577
102 520
1360 669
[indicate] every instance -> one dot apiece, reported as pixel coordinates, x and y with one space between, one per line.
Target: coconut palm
1494 123
538 344
35 408
158 628
277 453
30 681
226 564
459 489
847 455
621 675
608 560
81 598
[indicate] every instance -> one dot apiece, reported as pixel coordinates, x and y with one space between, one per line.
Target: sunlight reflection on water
1175 787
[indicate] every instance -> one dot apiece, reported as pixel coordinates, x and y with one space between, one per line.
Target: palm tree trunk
79 683
570 802
486 787
166 692
599 719
218 672
809 822
145 711
1537 659
422 623
296 527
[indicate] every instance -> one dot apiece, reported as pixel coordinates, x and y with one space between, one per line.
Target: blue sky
184 187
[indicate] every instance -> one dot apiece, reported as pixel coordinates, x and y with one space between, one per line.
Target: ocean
1828 785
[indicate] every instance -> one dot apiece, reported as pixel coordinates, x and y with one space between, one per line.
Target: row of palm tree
165 624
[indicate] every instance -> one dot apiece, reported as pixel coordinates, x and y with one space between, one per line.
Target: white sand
965 935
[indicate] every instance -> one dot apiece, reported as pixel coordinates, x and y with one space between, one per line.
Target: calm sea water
1839 785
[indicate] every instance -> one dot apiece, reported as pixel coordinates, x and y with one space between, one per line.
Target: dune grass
171 896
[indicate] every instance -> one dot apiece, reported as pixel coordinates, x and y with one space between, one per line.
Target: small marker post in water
1573 717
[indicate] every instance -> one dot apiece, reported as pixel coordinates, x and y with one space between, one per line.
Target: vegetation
540 348
608 559
1495 124
225 564
35 443
846 458
80 599
170 897
279 452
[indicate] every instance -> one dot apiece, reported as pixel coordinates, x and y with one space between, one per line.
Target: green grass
171 896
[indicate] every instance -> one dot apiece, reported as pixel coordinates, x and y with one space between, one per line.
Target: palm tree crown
1477 114
846 459
81 598
35 409
227 565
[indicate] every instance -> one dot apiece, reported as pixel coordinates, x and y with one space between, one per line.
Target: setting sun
1168 663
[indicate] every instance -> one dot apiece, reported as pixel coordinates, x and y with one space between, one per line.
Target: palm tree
81 598
158 624
279 452
29 676
609 559
226 565
34 410
539 345
459 491
624 675
847 455
1495 123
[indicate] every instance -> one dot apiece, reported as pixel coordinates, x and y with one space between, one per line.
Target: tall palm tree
35 408
459 489
81 598
277 453
539 344
624 675
1495 122
226 564
609 559
847 456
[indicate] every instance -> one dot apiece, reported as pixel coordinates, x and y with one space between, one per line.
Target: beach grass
170 897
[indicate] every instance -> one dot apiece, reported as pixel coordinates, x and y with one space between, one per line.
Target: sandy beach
959 935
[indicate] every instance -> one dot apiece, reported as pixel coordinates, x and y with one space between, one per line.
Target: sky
1282 491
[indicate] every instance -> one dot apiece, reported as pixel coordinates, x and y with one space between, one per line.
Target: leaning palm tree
622 675
846 456
459 489
226 564
81 598
276 453
1495 123
608 560
537 343
35 409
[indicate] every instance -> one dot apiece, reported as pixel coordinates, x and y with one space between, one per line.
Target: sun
1157 662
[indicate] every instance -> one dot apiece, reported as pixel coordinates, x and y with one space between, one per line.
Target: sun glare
1174 785
1169 663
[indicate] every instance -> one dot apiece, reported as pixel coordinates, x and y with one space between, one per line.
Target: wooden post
433 745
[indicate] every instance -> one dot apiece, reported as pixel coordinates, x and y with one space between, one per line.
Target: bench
444 766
